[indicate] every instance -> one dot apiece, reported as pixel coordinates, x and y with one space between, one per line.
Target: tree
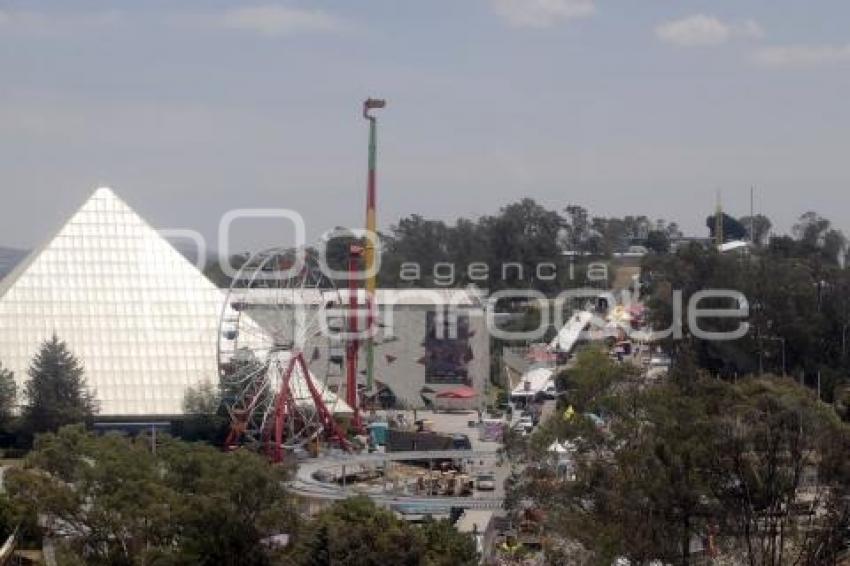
811 227
228 504
445 546
116 502
214 272
576 227
799 310
732 229
589 383
637 494
524 233
673 231
8 397
417 240
815 234
357 533
204 417
201 399
610 235
771 436
102 493
658 242
700 458
758 228
56 393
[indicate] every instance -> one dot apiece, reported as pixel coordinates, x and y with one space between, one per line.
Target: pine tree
56 393
7 395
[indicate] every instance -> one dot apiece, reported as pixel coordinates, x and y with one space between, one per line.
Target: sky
189 110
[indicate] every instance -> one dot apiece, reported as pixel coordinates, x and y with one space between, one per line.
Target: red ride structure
279 360
281 352
352 343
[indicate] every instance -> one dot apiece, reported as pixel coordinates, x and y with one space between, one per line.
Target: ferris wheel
281 355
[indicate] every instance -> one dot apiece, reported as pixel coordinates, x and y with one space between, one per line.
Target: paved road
306 485
379 457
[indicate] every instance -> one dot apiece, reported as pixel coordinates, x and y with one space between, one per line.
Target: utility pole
371 228
752 218
718 222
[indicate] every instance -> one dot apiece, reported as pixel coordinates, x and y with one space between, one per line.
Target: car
520 430
485 482
524 424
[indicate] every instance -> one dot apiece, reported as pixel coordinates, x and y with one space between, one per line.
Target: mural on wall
447 350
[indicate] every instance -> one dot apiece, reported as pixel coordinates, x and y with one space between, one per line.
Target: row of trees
529 233
728 456
798 301
119 500
757 471
524 233
113 500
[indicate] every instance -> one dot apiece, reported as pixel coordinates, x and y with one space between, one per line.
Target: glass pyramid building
140 317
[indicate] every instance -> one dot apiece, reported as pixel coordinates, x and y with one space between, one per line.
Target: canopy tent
533 382
462 392
566 447
457 398
563 455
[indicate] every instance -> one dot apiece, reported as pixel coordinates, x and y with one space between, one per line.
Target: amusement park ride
284 335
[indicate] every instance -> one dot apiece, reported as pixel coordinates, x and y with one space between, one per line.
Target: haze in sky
192 109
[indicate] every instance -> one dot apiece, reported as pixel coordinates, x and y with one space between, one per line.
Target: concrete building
421 349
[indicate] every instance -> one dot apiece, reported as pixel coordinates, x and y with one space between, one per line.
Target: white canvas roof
533 382
570 333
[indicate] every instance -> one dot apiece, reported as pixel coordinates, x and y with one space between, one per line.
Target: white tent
533 382
565 447
571 332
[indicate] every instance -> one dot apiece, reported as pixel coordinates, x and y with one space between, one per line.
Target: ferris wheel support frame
283 403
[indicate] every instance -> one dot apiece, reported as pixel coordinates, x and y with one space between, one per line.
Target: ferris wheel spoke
255 330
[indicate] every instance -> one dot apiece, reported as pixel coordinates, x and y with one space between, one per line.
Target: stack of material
405 441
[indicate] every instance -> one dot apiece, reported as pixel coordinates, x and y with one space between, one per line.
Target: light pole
371 227
780 339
